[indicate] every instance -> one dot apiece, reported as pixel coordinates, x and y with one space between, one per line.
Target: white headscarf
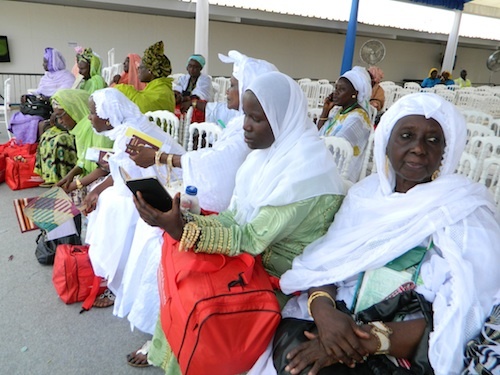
376 225
296 166
361 81
246 69
213 170
122 113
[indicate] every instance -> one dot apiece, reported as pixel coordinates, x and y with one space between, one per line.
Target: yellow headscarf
430 71
155 60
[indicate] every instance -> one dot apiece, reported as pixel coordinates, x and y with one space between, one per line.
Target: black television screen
4 49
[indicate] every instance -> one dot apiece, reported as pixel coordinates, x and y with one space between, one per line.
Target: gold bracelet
170 159
381 332
158 157
318 294
190 235
79 184
323 118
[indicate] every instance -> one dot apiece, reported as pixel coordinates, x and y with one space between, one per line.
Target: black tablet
152 191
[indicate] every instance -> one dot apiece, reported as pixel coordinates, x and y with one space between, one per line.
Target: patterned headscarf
92 59
198 58
376 73
155 60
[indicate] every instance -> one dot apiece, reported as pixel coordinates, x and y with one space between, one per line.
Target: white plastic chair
324 82
413 86
303 80
495 126
224 84
490 177
324 90
111 57
184 125
483 148
211 131
468 165
477 117
5 107
474 130
342 152
167 121
314 114
368 166
311 91
448 95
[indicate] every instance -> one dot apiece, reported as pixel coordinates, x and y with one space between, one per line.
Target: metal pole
350 39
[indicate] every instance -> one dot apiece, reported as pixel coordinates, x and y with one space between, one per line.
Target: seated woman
72 111
130 74
89 67
287 190
154 71
432 79
415 237
111 114
29 128
193 87
377 98
446 78
350 119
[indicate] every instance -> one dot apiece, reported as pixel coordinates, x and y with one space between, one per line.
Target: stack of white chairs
303 80
208 133
167 121
468 166
311 91
412 86
184 123
495 126
490 177
324 82
448 95
224 84
477 130
483 148
368 166
5 107
477 117
325 89
342 152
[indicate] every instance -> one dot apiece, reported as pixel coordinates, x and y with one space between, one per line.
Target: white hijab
361 81
297 166
122 113
375 225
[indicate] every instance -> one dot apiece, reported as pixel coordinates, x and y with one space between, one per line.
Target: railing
20 83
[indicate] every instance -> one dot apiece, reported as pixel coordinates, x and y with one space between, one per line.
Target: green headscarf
74 102
92 59
155 60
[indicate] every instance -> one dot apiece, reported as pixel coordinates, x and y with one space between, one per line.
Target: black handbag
36 106
290 334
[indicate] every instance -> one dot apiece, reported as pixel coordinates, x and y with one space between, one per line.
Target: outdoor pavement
39 334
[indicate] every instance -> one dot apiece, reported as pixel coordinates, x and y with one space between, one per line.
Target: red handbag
3 166
19 172
13 148
218 312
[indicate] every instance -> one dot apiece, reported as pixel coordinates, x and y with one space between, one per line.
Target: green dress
157 95
278 233
55 155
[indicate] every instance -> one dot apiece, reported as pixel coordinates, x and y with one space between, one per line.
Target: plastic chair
303 80
224 84
368 166
477 117
5 107
324 90
167 121
184 123
448 95
483 148
495 126
474 130
342 152
490 177
468 165
314 114
413 86
211 131
324 82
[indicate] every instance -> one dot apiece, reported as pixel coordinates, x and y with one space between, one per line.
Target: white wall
32 27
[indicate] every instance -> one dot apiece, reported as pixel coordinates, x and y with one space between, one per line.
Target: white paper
65 229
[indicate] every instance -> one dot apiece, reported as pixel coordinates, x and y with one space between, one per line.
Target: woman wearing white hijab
286 191
112 214
415 200
351 117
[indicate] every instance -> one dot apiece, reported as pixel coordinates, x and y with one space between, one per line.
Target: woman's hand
145 156
309 353
170 221
340 336
90 202
66 182
116 78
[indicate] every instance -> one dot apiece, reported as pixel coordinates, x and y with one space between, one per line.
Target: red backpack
218 312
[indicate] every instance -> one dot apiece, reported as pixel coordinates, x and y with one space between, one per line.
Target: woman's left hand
309 353
170 221
90 202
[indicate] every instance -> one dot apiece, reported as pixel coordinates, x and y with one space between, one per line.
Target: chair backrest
311 91
478 129
342 152
224 84
477 117
448 95
314 114
167 121
385 84
468 165
184 124
440 87
368 163
5 107
325 89
413 86
207 133
323 82
111 57
490 177
483 148
303 80
495 126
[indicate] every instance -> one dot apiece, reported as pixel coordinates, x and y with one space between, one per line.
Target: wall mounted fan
493 62
372 52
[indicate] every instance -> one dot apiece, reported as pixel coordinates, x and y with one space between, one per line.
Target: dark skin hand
146 157
170 221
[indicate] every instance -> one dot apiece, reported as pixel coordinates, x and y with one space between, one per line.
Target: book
138 138
151 189
99 156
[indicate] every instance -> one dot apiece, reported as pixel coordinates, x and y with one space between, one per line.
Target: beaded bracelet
190 235
318 294
381 332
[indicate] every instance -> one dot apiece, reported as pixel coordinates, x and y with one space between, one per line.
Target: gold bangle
323 118
318 294
158 157
381 332
170 159
79 184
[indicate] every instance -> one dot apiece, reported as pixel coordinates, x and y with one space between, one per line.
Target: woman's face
194 68
233 94
445 75
98 123
45 64
343 94
434 74
144 73
258 132
64 119
84 69
126 64
415 150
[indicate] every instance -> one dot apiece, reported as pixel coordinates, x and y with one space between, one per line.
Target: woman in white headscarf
212 170
286 191
416 200
111 211
350 119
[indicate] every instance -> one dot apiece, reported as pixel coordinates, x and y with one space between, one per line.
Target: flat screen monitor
4 49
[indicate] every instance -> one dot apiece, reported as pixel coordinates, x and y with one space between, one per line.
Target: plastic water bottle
189 200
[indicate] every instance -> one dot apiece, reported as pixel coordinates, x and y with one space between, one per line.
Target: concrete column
201 31
451 46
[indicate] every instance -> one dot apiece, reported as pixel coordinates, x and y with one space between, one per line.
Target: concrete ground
39 334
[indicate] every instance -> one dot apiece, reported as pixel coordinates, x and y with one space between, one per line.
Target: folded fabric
51 209
25 223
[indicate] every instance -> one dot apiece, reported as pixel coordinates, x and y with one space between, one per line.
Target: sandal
46 185
105 300
139 358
